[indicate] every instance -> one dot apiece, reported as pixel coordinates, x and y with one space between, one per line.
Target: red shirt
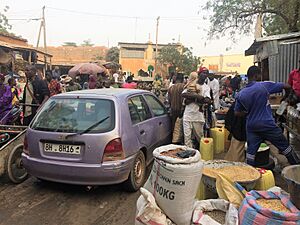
54 87
294 81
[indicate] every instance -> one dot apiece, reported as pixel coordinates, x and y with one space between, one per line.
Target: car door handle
142 132
160 123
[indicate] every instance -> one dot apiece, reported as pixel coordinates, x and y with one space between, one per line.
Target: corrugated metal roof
285 37
279 37
21 47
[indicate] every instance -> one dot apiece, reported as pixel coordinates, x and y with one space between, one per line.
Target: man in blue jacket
253 101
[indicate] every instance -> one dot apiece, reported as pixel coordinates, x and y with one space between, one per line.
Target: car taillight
113 151
25 146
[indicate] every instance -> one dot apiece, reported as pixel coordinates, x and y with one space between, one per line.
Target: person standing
175 98
214 85
53 85
5 101
294 81
193 117
71 85
253 102
36 92
129 83
116 77
92 82
235 84
56 73
15 93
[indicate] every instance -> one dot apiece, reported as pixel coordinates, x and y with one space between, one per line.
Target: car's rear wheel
137 174
16 172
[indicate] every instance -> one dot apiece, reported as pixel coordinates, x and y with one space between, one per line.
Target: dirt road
39 203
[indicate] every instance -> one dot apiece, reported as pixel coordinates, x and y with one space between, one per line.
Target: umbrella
112 65
86 68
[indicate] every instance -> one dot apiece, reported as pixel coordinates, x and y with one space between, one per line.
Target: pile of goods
168 197
235 171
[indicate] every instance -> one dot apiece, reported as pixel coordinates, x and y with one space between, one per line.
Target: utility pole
45 42
156 44
43 26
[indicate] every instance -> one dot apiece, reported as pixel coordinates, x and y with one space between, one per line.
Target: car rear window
76 115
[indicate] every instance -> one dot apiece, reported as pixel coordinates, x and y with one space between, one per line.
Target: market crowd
195 102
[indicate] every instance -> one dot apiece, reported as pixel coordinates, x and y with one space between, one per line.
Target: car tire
137 174
15 170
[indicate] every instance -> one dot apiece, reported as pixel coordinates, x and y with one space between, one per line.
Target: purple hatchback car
96 137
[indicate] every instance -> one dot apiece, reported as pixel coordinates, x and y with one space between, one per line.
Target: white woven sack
174 183
199 216
148 213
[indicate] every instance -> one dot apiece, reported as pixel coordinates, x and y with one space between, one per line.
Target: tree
71 44
4 25
87 43
235 17
180 58
112 55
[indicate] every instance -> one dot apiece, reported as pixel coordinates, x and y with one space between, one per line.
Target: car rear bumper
79 173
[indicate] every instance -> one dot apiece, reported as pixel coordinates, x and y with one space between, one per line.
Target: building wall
228 63
74 55
281 64
134 59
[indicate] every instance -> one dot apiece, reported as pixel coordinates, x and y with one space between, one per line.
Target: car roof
116 92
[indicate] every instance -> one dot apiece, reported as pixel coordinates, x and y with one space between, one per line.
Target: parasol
112 65
86 68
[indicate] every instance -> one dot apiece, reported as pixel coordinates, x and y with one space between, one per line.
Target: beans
273 204
234 173
217 215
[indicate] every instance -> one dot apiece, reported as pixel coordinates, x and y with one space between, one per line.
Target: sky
108 22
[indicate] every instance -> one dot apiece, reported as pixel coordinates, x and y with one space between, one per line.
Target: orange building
136 56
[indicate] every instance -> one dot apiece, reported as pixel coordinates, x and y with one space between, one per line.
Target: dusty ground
39 203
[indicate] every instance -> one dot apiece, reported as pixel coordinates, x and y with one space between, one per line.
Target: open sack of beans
174 181
215 212
265 207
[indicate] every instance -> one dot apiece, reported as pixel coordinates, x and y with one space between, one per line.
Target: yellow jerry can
218 135
207 149
266 181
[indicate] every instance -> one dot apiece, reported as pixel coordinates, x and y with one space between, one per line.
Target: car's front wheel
137 174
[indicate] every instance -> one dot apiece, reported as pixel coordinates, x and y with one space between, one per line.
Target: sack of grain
215 212
148 213
174 182
265 207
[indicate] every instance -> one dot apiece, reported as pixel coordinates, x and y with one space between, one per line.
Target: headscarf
92 82
192 80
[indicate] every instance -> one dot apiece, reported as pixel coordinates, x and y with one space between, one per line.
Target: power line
28 19
122 16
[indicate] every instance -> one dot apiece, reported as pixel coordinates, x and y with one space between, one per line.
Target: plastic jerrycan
207 148
266 181
218 135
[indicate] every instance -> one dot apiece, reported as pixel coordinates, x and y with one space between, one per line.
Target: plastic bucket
292 176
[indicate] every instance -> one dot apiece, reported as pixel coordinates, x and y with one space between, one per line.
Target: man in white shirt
215 87
116 77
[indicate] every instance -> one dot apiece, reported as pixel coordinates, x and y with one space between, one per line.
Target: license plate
60 148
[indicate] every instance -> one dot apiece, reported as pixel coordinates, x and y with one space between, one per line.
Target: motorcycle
14 114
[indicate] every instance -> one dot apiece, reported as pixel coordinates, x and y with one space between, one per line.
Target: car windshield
75 115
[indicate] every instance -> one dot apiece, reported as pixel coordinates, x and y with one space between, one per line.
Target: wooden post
29 58
45 42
